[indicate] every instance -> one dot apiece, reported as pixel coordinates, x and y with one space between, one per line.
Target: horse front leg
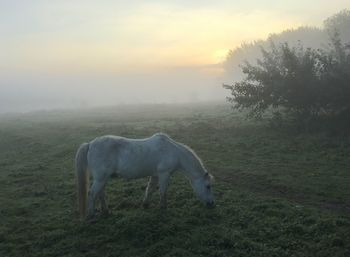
163 185
151 187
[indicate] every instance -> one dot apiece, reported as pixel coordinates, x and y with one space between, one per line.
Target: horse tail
82 178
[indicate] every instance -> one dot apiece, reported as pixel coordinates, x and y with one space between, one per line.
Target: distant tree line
301 83
307 36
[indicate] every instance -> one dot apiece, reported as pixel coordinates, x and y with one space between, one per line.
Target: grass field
279 193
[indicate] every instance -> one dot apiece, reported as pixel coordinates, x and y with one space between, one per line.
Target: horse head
203 189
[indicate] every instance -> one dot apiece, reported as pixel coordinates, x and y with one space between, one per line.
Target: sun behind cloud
151 36
220 55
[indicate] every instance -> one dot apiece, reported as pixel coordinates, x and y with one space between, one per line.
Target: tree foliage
308 36
339 22
300 82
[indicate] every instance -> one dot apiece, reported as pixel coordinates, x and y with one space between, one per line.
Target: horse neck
190 164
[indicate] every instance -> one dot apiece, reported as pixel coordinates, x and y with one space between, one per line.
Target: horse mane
186 148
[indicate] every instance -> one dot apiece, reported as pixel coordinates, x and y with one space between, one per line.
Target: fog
79 54
34 91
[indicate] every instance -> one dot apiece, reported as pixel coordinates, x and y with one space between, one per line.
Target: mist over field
83 54
34 91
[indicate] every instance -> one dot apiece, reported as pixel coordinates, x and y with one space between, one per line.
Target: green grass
278 193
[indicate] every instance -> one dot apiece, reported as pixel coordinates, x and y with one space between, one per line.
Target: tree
308 36
302 83
335 77
284 77
339 22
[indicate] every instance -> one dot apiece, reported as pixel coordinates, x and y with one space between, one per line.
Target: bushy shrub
302 83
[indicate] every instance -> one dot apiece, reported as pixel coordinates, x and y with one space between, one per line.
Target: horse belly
136 169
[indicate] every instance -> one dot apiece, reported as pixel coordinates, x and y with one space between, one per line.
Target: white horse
157 157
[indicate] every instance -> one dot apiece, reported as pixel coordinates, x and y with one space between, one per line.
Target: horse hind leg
95 190
151 187
104 206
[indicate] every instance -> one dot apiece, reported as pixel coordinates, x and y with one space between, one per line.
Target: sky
68 53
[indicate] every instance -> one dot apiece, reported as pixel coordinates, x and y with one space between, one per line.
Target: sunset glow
96 37
111 52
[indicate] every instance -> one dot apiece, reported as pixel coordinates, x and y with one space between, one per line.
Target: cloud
66 53
152 35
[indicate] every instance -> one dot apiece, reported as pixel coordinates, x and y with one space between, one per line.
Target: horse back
132 158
